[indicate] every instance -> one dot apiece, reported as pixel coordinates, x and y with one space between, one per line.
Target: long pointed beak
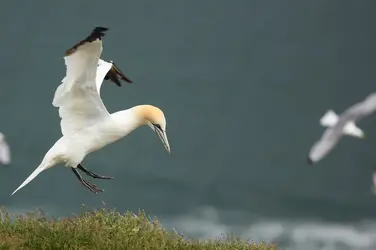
163 136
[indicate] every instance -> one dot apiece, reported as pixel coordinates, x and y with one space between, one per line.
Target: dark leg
93 188
94 175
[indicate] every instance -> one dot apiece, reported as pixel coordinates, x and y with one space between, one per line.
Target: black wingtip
309 161
101 29
116 81
127 80
98 32
121 74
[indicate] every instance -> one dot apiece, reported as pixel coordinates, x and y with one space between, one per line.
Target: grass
103 229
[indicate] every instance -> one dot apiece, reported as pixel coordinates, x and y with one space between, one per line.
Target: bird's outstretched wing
333 134
360 110
108 70
77 97
4 151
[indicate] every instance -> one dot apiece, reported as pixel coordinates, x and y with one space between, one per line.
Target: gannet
85 123
332 134
4 150
373 187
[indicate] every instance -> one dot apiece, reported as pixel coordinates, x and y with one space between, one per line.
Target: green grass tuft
102 229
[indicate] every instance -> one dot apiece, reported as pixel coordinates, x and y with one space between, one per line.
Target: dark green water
243 85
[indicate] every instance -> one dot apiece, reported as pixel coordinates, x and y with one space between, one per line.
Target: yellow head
155 119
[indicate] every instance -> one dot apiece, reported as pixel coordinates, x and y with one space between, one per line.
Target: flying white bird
86 124
333 134
330 118
373 187
4 150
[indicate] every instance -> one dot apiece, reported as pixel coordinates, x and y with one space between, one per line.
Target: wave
207 223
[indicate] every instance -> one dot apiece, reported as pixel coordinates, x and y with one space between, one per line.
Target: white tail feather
37 171
329 119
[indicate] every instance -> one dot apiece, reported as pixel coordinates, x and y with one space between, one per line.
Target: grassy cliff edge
103 229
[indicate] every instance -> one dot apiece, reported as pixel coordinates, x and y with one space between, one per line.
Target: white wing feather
102 70
77 97
329 119
332 134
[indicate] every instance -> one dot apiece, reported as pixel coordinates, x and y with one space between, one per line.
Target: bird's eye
158 126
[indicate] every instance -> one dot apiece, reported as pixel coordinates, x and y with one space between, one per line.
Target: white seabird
373 187
333 134
86 124
4 150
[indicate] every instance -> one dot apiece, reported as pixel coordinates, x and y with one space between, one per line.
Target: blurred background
243 84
